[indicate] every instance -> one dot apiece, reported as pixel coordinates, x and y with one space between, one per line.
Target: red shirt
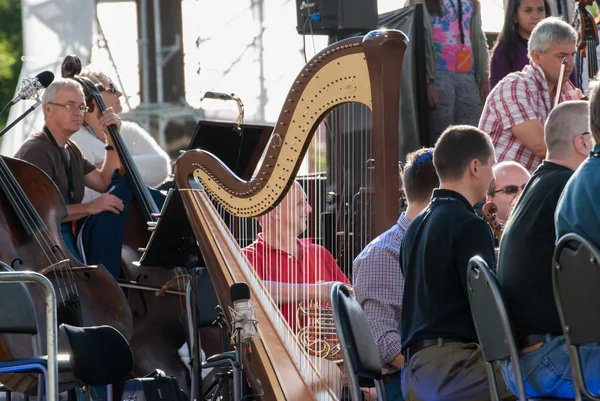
520 97
314 264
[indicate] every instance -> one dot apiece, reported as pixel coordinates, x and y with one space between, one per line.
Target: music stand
173 244
240 149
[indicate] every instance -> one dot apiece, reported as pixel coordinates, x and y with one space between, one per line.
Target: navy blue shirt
434 255
578 209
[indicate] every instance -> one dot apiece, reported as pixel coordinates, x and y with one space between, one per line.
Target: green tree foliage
11 50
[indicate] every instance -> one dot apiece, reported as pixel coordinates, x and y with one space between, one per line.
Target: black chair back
361 358
17 314
575 279
99 355
492 324
206 299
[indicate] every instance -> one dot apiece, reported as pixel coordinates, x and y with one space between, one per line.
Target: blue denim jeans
393 387
70 241
547 370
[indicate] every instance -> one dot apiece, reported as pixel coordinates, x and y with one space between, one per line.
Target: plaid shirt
520 97
378 286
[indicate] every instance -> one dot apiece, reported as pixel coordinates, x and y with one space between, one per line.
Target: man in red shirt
293 270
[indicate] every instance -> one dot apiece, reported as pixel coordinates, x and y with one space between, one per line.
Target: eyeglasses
111 88
585 133
509 189
72 108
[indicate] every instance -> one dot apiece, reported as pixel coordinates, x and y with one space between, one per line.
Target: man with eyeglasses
511 178
517 108
525 259
52 151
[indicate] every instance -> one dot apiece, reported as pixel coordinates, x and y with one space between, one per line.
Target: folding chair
493 327
361 359
96 355
576 280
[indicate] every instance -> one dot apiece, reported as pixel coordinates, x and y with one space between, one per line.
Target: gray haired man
516 110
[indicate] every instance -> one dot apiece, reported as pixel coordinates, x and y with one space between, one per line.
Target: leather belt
385 378
532 339
417 346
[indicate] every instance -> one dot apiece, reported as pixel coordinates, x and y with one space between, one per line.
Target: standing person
509 53
456 56
442 357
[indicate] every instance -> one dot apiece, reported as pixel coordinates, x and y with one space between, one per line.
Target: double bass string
33 223
37 228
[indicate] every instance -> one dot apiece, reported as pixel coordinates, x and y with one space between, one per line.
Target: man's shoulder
584 180
34 142
514 85
384 246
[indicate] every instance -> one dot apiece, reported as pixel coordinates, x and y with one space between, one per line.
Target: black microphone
242 314
30 87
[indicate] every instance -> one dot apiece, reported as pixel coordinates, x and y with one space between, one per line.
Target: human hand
106 202
324 292
109 117
432 96
484 91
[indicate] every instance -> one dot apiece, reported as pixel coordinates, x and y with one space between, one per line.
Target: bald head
291 215
511 178
565 122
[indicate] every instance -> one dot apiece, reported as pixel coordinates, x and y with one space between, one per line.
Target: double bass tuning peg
71 66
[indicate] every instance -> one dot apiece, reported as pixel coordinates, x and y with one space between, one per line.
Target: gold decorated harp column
362 69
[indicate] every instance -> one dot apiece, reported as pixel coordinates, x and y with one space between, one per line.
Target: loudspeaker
333 17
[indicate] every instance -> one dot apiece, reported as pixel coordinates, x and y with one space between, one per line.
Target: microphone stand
22 116
238 377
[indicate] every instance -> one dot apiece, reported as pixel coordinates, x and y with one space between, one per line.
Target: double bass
31 211
154 293
587 57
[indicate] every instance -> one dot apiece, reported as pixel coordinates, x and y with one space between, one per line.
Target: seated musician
152 162
511 178
577 210
378 280
516 109
294 270
53 152
442 360
525 260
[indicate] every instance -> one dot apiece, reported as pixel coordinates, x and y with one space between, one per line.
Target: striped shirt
378 286
520 97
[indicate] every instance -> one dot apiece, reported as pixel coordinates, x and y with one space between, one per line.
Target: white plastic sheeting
51 30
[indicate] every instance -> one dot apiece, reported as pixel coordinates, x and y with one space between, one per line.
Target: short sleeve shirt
40 151
520 97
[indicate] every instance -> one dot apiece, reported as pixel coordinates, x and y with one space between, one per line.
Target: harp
362 69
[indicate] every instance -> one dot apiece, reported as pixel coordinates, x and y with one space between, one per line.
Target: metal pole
158 54
238 378
144 53
51 337
22 116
